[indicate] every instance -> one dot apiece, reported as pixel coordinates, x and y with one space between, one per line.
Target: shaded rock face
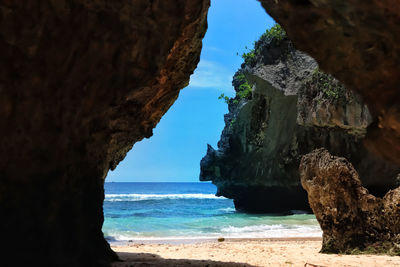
356 41
294 108
349 216
80 83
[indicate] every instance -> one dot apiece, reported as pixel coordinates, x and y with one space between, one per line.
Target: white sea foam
140 197
251 229
276 230
229 210
255 231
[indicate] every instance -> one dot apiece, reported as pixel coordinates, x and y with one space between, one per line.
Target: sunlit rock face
80 83
349 216
294 108
358 42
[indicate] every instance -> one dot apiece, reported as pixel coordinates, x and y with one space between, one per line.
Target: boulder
351 218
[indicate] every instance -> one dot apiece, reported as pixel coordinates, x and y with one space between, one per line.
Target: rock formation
357 42
292 109
350 217
80 83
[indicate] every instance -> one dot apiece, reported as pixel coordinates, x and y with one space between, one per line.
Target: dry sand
251 252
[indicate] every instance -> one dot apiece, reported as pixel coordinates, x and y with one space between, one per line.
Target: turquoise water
149 211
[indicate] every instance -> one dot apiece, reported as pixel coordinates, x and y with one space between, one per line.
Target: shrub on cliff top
249 57
275 34
244 90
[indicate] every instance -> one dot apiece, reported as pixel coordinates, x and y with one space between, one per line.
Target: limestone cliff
291 109
81 81
358 42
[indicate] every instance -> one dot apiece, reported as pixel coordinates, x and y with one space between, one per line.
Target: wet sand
302 252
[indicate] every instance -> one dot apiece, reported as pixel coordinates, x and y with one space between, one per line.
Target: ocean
171 211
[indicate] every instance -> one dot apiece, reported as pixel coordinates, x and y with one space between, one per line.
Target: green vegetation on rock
232 123
331 88
224 97
243 90
275 34
249 57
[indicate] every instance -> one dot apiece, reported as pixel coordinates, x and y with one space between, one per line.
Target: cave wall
357 42
80 82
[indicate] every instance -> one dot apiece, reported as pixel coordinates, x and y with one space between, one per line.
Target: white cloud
214 49
210 74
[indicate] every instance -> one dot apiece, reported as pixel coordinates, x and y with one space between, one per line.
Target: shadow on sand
148 259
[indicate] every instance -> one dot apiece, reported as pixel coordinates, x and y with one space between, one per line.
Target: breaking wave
141 197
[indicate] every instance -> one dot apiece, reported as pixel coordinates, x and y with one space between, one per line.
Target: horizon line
155 182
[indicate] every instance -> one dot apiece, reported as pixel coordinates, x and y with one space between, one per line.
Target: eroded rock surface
80 83
349 216
293 109
358 42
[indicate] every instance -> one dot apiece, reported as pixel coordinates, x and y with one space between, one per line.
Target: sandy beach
242 252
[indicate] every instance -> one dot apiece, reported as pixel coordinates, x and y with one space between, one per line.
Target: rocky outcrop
351 219
80 83
293 108
356 41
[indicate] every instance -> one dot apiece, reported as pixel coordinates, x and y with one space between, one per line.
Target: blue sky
196 119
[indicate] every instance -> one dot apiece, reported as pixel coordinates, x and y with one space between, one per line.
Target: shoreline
199 240
244 252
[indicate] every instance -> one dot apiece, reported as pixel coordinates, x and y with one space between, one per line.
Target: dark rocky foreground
349 216
293 108
80 83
